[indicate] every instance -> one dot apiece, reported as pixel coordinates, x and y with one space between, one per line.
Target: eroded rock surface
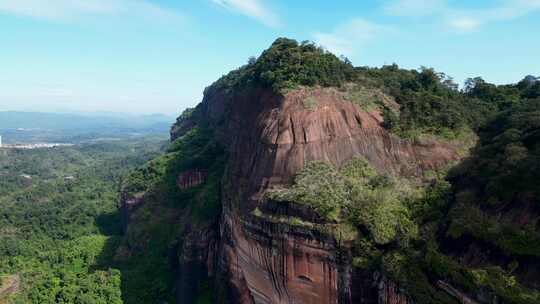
270 138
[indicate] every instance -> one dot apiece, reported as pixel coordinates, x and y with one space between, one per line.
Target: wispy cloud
414 8
349 37
255 9
464 24
462 20
64 10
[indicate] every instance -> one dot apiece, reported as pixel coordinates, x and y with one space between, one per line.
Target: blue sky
156 56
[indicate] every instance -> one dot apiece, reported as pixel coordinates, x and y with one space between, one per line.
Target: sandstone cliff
269 138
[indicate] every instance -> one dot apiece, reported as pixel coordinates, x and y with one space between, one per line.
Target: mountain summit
302 179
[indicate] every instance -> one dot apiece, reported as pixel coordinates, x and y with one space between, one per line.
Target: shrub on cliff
320 186
378 202
354 194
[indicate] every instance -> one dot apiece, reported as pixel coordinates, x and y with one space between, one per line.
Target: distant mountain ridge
86 121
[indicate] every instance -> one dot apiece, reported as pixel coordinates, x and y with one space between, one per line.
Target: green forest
59 221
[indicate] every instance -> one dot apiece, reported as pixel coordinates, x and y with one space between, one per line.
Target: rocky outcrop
270 138
278 262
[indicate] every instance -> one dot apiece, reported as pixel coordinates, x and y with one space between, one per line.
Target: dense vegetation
430 102
503 175
288 64
59 220
494 206
169 214
506 162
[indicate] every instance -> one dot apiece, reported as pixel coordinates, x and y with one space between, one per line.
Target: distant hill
36 127
83 122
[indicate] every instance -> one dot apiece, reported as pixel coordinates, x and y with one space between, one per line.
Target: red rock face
191 178
280 265
270 138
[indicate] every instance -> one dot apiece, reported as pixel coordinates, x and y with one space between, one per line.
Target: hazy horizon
97 113
157 56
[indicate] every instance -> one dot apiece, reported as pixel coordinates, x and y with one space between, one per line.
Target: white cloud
462 20
464 24
251 8
411 8
468 20
62 10
347 38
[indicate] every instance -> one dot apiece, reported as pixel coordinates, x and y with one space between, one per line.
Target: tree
472 83
449 83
